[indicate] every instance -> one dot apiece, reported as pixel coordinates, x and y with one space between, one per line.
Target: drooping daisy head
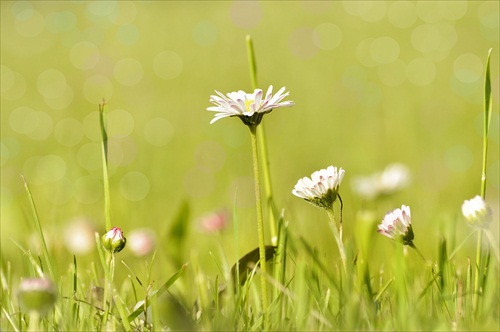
249 107
322 188
397 225
476 212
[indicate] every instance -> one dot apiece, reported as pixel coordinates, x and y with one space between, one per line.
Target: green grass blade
105 176
487 120
159 292
38 226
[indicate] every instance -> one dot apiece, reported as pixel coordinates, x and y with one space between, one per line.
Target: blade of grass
159 292
38 226
261 138
105 176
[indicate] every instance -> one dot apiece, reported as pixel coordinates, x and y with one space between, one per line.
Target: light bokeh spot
57 22
421 71
96 88
158 132
128 71
134 186
84 55
13 84
51 83
128 34
89 156
7 79
62 101
468 68
167 65
458 158
50 168
198 183
68 132
490 20
402 14
125 13
91 126
246 14
301 43
43 126
210 156
205 33
434 40
120 123
384 50
369 11
327 36
102 8
88 190
35 124
29 23
363 52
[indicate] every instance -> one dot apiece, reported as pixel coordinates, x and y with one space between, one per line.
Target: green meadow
104 123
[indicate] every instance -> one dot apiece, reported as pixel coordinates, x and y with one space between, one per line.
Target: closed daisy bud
114 241
37 295
397 225
322 188
476 212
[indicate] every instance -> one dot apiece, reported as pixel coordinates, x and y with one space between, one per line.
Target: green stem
105 177
338 238
478 271
260 224
261 134
487 120
418 251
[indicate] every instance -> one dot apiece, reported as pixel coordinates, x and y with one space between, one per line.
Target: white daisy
322 188
397 225
249 107
476 212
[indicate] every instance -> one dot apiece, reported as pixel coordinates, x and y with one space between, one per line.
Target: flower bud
37 295
114 241
476 212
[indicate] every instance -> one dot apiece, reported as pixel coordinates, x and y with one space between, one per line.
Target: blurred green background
373 82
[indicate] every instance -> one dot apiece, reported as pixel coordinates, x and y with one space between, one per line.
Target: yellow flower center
247 104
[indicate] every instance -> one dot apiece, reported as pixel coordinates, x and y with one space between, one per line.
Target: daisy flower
322 188
397 225
249 107
476 212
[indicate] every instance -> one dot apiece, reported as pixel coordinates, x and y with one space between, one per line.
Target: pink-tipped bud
114 241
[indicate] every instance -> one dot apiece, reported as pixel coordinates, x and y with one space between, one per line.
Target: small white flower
393 178
322 188
249 107
397 225
476 212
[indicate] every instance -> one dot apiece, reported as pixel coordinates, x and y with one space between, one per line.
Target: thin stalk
260 225
338 239
105 177
487 120
475 296
261 134
39 229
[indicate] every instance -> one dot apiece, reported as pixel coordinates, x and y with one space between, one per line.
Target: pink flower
397 225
